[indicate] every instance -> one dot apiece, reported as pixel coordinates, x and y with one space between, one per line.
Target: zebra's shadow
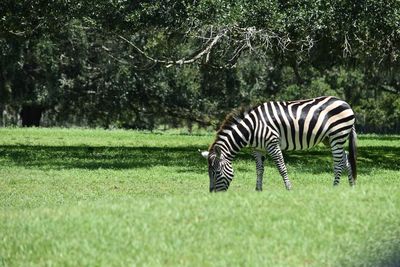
319 160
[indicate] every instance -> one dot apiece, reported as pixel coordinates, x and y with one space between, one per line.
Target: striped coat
276 126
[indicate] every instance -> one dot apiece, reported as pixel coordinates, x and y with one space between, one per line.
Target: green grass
116 198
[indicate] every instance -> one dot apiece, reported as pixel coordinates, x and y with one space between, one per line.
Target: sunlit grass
116 198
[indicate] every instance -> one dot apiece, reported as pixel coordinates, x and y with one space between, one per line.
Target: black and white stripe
276 126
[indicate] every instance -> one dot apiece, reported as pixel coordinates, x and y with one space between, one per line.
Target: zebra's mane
231 119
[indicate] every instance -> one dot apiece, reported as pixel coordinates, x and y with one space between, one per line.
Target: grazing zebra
275 126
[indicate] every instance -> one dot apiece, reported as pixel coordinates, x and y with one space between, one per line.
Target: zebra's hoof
258 189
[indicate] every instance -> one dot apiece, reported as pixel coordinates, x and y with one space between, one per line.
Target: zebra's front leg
259 169
275 151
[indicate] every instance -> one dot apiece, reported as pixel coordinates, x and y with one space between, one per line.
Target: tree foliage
143 64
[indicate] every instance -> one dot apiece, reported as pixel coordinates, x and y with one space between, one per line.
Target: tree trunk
31 115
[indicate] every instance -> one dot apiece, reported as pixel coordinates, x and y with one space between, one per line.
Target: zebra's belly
312 140
297 141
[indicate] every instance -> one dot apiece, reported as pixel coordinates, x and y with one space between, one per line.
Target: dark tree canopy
146 64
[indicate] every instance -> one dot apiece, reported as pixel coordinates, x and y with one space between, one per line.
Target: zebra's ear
204 153
217 150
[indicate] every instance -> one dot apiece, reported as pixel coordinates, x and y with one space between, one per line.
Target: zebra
273 127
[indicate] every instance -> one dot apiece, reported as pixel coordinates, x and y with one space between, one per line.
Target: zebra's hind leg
275 151
259 169
349 171
339 162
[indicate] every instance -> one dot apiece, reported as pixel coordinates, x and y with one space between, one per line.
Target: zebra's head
220 169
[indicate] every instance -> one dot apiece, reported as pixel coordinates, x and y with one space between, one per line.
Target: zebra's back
304 123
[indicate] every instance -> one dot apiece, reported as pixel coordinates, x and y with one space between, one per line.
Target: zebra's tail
353 152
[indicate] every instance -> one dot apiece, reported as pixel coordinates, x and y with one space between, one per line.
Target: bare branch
207 51
390 89
170 63
240 39
346 46
19 34
108 51
141 51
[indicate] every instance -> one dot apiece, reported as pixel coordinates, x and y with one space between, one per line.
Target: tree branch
108 51
239 39
182 61
390 89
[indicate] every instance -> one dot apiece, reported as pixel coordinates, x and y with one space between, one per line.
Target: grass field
124 198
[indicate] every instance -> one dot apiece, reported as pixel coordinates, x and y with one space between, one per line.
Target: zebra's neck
233 138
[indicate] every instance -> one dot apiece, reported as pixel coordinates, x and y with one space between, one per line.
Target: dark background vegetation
112 63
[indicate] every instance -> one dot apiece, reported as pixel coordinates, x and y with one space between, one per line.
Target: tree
141 64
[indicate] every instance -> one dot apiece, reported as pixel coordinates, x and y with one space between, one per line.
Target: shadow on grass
65 157
380 137
381 255
183 158
368 158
